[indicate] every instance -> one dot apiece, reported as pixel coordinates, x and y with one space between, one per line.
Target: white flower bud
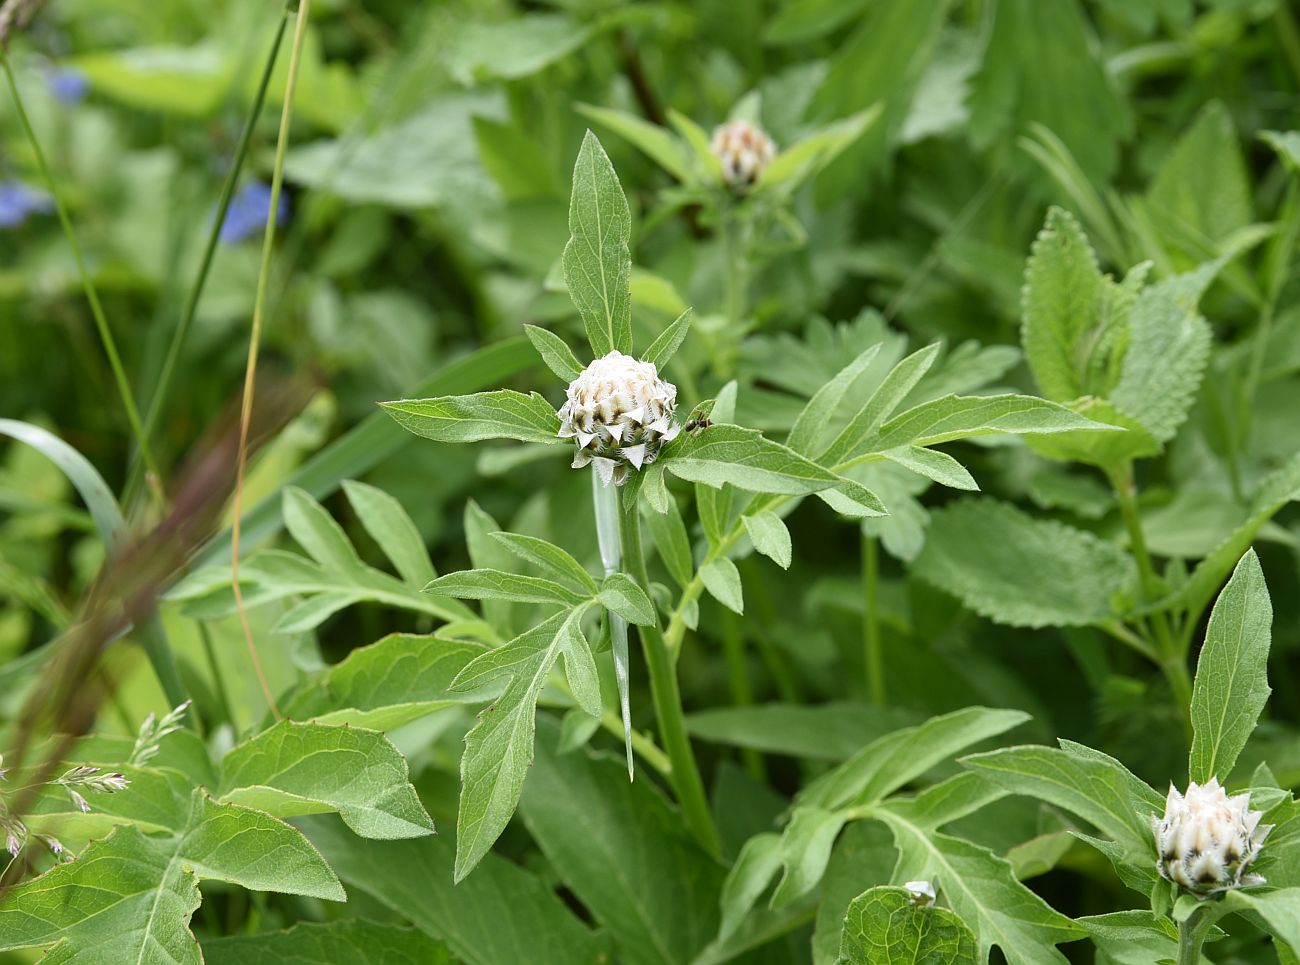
744 150
620 414
923 892
1206 840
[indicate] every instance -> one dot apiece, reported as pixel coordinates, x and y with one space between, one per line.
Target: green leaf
620 593
1231 685
890 762
886 926
1042 64
1280 910
90 485
294 769
1133 937
1089 784
511 49
129 897
580 664
656 142
802 20
963 417
624 852
597 263
805 850
811 426
551 558
391 682
1105 449
824 732
668 532
503 414
315 530
768 532
1281 487
348 941
722 580
1059 306
374 440
756 865
499 748
555 352
895 386
979 550
947 801
498 585
388 525
1168 346
979 887
503 915
803 159
932 464
725 454
1201 191
663 348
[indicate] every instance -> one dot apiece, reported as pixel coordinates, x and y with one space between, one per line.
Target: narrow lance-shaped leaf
488 584
503 414
597 260
663 348
557 355
499 748
1231 685
725 454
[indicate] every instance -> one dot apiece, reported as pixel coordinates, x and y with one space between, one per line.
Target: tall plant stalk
162 389
87 283
685 774
255 337
604 499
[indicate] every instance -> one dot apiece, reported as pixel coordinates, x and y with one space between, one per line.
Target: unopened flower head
620 414
1206 840
744 150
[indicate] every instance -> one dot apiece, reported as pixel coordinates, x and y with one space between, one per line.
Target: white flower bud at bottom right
1206 840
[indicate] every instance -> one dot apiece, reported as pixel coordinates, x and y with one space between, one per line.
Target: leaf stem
163 386
255 337
88 284
742 691
685 773
873 653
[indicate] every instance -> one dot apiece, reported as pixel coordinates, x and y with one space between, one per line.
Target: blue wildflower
67 85
248 211
17 201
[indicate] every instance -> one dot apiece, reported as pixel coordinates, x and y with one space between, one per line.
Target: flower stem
1193 929
87 283
742 691
604 500
874 657
254 341
685 774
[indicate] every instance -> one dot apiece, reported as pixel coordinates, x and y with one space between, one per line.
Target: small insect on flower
620 415
1206 840
744 150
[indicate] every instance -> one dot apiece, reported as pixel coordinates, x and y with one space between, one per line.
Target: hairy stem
250 372
87 283
685 774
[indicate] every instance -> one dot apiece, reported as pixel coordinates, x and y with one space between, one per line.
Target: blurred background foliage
426 211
